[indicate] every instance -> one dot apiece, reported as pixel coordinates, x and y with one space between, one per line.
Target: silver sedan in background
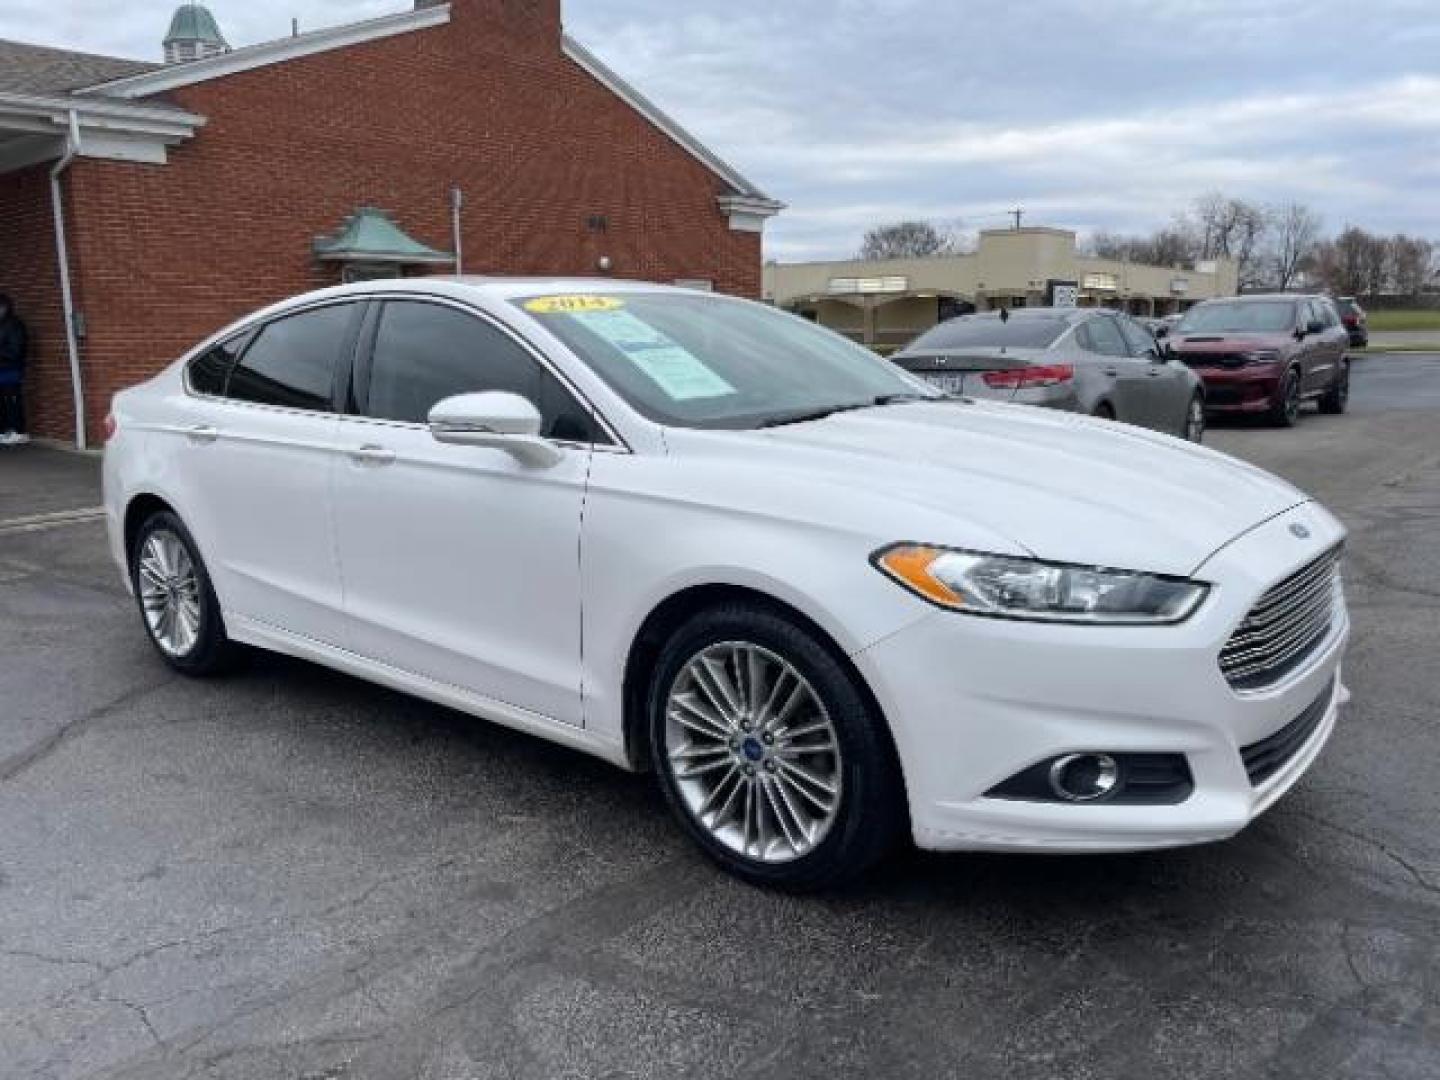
1081 360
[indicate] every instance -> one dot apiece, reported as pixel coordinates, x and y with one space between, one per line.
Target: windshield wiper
821 414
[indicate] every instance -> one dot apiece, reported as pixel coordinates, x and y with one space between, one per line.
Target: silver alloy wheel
169 593
1195 421
1292 397
753 752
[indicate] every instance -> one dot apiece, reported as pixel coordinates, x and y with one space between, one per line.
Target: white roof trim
271 52
159 121
37 128
612 81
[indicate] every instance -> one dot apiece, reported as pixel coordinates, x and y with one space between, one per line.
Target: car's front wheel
1195 420
177 601
770 755
1285 411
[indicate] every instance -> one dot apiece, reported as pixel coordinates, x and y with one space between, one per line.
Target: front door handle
203 434
1111 371
372 455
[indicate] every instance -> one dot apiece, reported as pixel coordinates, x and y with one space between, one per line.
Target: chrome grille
1285 626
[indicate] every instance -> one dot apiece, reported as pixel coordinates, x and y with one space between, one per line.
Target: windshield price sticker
571 305
677 371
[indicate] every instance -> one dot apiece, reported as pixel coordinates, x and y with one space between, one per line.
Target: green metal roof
193 22
369 235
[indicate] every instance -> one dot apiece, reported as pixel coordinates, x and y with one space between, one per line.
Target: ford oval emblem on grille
1300 531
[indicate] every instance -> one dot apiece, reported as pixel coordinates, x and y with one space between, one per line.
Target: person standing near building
14 347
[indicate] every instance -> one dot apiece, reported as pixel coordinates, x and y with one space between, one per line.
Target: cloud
1103 114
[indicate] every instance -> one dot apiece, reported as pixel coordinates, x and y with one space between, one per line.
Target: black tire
1285 411
212 652
1337 398
870 815
1104 411
1194 420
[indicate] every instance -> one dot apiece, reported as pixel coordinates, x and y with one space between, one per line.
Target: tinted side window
292 361
1103 336
425 353
1139 340
210 370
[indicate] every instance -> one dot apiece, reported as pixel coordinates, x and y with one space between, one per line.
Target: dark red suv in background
1267 355
1357 323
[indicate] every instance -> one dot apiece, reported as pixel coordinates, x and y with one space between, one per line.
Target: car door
461 564
1166 394
1127 377
1311 350
257 451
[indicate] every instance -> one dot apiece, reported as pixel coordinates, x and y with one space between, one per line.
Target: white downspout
67 299
457 203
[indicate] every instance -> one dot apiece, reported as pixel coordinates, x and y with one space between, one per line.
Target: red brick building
193 192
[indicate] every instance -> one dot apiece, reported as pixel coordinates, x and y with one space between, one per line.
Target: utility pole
1017 214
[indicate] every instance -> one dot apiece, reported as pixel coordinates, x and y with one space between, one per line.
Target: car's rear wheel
177 602
1195 420
770 755
1285 412
1337 398
1104 411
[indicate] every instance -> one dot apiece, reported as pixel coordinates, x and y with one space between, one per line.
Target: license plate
949 381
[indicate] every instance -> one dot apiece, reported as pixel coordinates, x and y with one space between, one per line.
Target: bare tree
1353 264
1233 229
1294 233
1172 246
1411 264
909 240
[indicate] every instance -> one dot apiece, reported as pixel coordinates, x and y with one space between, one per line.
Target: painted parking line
57 520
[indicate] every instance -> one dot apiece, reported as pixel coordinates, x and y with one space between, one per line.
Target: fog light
1084 777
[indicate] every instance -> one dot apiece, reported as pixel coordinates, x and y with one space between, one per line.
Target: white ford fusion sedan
824 603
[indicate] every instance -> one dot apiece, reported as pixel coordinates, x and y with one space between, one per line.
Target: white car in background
823 602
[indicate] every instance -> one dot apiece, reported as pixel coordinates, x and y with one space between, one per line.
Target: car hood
1062 486
1220 342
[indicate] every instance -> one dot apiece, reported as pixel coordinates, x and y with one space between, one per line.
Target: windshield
688 360
1251 318
990 331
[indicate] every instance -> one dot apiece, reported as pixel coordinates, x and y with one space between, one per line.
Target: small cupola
194 35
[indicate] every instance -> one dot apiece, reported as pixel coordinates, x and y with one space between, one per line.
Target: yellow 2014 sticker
572 305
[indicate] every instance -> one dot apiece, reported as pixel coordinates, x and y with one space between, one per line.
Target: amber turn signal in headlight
1004 586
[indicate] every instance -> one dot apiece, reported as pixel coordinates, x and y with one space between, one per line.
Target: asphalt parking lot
293 874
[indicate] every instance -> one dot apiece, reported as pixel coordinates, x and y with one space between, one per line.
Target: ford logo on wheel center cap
1300 531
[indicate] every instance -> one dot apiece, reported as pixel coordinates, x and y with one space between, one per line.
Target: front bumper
973 701
1240 390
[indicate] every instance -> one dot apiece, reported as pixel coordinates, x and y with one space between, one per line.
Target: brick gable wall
165 255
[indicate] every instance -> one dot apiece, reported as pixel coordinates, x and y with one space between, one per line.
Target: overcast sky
1088 113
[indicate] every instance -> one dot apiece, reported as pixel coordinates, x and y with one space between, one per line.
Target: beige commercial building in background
888 303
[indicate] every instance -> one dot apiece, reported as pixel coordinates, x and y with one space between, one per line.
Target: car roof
479 287
1263 298
1065 314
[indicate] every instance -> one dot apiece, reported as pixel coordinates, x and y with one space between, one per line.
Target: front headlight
1003 586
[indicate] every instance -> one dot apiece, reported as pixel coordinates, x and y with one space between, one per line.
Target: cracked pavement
289 873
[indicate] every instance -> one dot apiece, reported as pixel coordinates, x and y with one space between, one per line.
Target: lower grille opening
1143 780
1265 758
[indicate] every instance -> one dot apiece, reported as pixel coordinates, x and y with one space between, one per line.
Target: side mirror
494 420
1162 331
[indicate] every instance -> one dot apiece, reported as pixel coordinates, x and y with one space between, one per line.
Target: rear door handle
1112 371
372 455
203 434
